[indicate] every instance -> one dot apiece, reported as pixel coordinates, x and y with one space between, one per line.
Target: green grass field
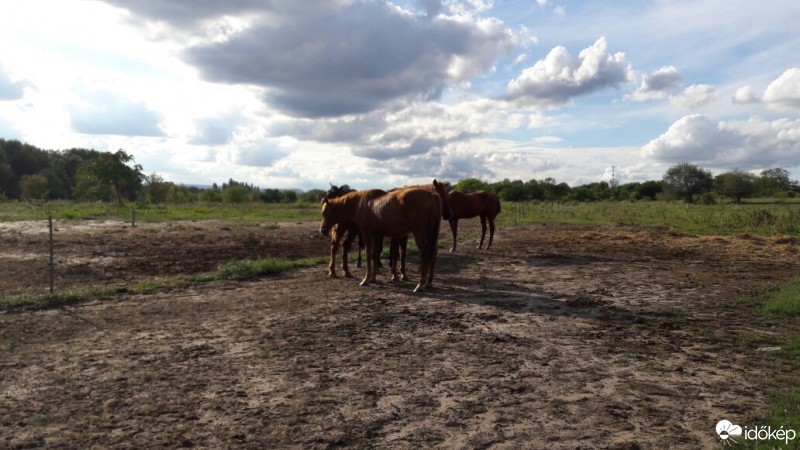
762 217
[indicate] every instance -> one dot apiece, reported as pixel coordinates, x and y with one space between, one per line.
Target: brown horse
400 245
395 214
466 206
344 234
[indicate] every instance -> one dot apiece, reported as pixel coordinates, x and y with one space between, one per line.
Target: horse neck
344 207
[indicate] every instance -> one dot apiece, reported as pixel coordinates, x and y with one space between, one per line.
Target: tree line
30 173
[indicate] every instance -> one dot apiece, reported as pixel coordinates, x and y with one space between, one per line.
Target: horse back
473 204
400 212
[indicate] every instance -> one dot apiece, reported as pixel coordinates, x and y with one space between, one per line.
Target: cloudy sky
376 93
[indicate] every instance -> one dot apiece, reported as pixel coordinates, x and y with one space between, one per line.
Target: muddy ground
559 337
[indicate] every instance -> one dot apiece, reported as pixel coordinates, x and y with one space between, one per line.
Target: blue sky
378 94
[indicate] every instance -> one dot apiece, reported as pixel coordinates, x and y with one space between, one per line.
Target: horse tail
434 221
497 200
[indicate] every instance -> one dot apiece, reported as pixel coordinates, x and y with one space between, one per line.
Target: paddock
565 336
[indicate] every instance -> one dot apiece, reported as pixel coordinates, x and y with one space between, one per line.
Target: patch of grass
236 270
781 302
780 306
762 219
245 270
246 212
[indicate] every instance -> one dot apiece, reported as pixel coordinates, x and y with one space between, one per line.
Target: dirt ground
559 337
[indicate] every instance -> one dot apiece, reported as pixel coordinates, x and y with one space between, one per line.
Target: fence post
133 217
50 225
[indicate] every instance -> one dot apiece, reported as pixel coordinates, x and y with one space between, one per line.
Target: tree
112 169
735 184
33 187
649 189
468 185
313 196
774 181
155 189
236 193
686 180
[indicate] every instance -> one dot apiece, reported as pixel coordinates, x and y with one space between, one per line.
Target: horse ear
435 184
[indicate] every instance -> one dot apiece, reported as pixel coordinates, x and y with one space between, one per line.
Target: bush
236 194
33 187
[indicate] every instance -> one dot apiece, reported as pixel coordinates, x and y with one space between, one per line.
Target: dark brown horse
395 214
484 204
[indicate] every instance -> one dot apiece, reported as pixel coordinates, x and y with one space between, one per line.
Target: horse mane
428 186
338 191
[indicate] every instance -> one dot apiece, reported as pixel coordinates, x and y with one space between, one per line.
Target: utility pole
613 183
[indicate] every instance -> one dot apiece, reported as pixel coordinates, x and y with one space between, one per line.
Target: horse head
327 218
337 191
441 189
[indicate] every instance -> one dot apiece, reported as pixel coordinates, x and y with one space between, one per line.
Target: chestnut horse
344 234
400 245
466 206
395 214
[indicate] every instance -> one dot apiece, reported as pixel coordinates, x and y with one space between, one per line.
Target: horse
395 214
466 206
400 245
343 234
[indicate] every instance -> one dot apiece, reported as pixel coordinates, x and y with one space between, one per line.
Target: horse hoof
348 275
452 250
364 283
418 288
404 278
332 275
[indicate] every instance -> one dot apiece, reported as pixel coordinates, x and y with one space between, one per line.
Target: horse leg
454 229
377 242
368 251
431 265
420 238
334 246
483 231
394 248
348 242
491 232
379 250
403 251
360 246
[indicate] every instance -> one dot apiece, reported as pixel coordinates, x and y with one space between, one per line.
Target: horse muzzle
325 231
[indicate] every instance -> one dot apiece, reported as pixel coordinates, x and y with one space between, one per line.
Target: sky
378 94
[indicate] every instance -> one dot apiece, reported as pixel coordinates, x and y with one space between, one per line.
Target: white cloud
747 144
557 79
217 130
104 112
9 89
695 96
416 129
658 84
784 92
745 95
548 140
346 57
